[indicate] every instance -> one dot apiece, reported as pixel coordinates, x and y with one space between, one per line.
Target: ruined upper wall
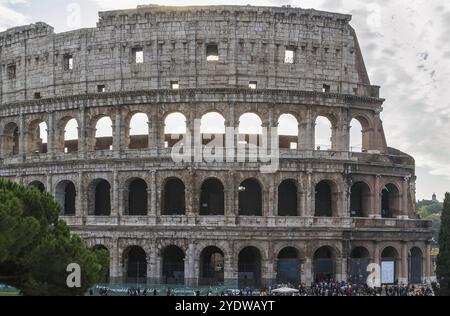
251 44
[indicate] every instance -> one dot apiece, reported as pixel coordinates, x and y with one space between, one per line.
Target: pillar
51 134
117 131
310 192
403 277
428 268
82 130
22 136
404 214
154 197
82 197
115 208
307 275
189 266
116 271
376 199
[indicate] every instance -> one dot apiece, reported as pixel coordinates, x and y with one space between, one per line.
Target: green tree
36 247
443 259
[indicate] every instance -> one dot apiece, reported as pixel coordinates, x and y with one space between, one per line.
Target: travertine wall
251 43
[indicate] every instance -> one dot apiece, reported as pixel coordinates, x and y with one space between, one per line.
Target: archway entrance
173 265
288 267
211 266
136 264
324 265
249 267
357 266
415 266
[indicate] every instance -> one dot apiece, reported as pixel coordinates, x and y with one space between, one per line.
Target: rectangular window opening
101 88
138 55
11 72
37 95
293 146
68 62
175 85
289 55
326 88
253 85
212 52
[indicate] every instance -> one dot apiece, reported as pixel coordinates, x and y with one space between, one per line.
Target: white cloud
10 17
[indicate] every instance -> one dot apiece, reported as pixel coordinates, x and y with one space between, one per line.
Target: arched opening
135 261
211 266
100 198
10 141
288 267
288 131
212 128
325 201
249 267
390 201
138 133
389 269
37 137
104 134
173 265
323 134
212 197
137 198
250 198
105 279
71 136
287 199
65 194
360 200
250 127
357 266
38 185
324 264
174 197
174 129
415 266
356 136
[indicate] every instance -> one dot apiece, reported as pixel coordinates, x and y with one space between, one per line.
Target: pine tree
443 259
36 247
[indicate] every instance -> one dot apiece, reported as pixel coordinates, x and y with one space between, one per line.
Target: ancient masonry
326 213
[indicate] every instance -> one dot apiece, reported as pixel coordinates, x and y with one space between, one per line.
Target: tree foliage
443 259
36 247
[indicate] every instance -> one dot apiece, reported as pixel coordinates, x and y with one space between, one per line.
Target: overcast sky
406 48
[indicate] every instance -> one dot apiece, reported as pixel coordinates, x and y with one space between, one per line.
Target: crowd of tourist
324 288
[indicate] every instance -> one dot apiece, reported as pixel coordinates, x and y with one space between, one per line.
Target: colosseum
70 109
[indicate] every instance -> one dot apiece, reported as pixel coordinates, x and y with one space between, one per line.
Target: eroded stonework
88 74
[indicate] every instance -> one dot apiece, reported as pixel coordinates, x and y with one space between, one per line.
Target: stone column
306 132
82 134
310 192
269 273
428 271
116 271
117 131
115 207
307 276
189 266
229 272
152 277
403 277
232 197
153 197
22 137
51 134
404 214
82 197
376 200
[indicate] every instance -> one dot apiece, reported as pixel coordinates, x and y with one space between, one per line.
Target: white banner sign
387 272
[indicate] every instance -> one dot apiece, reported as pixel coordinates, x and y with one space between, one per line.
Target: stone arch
249 267
135 264
172 261
288 131
364 134
65 194
360 199
175 127
103 133
326 199
212 128
37 136
415 265
99 198
324 126
10 140
212 197
324 264
212 262
390 261
288 198
250 127
68 135
136 197
173 197
357 265
390 201
250 198
289 266
38 185
137 133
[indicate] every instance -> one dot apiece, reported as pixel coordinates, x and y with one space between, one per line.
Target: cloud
9 16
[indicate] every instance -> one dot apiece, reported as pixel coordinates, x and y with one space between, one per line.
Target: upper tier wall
251 44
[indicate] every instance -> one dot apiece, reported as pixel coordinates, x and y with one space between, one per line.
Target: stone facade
93 73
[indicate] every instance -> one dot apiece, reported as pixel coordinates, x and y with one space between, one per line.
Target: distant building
433 197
